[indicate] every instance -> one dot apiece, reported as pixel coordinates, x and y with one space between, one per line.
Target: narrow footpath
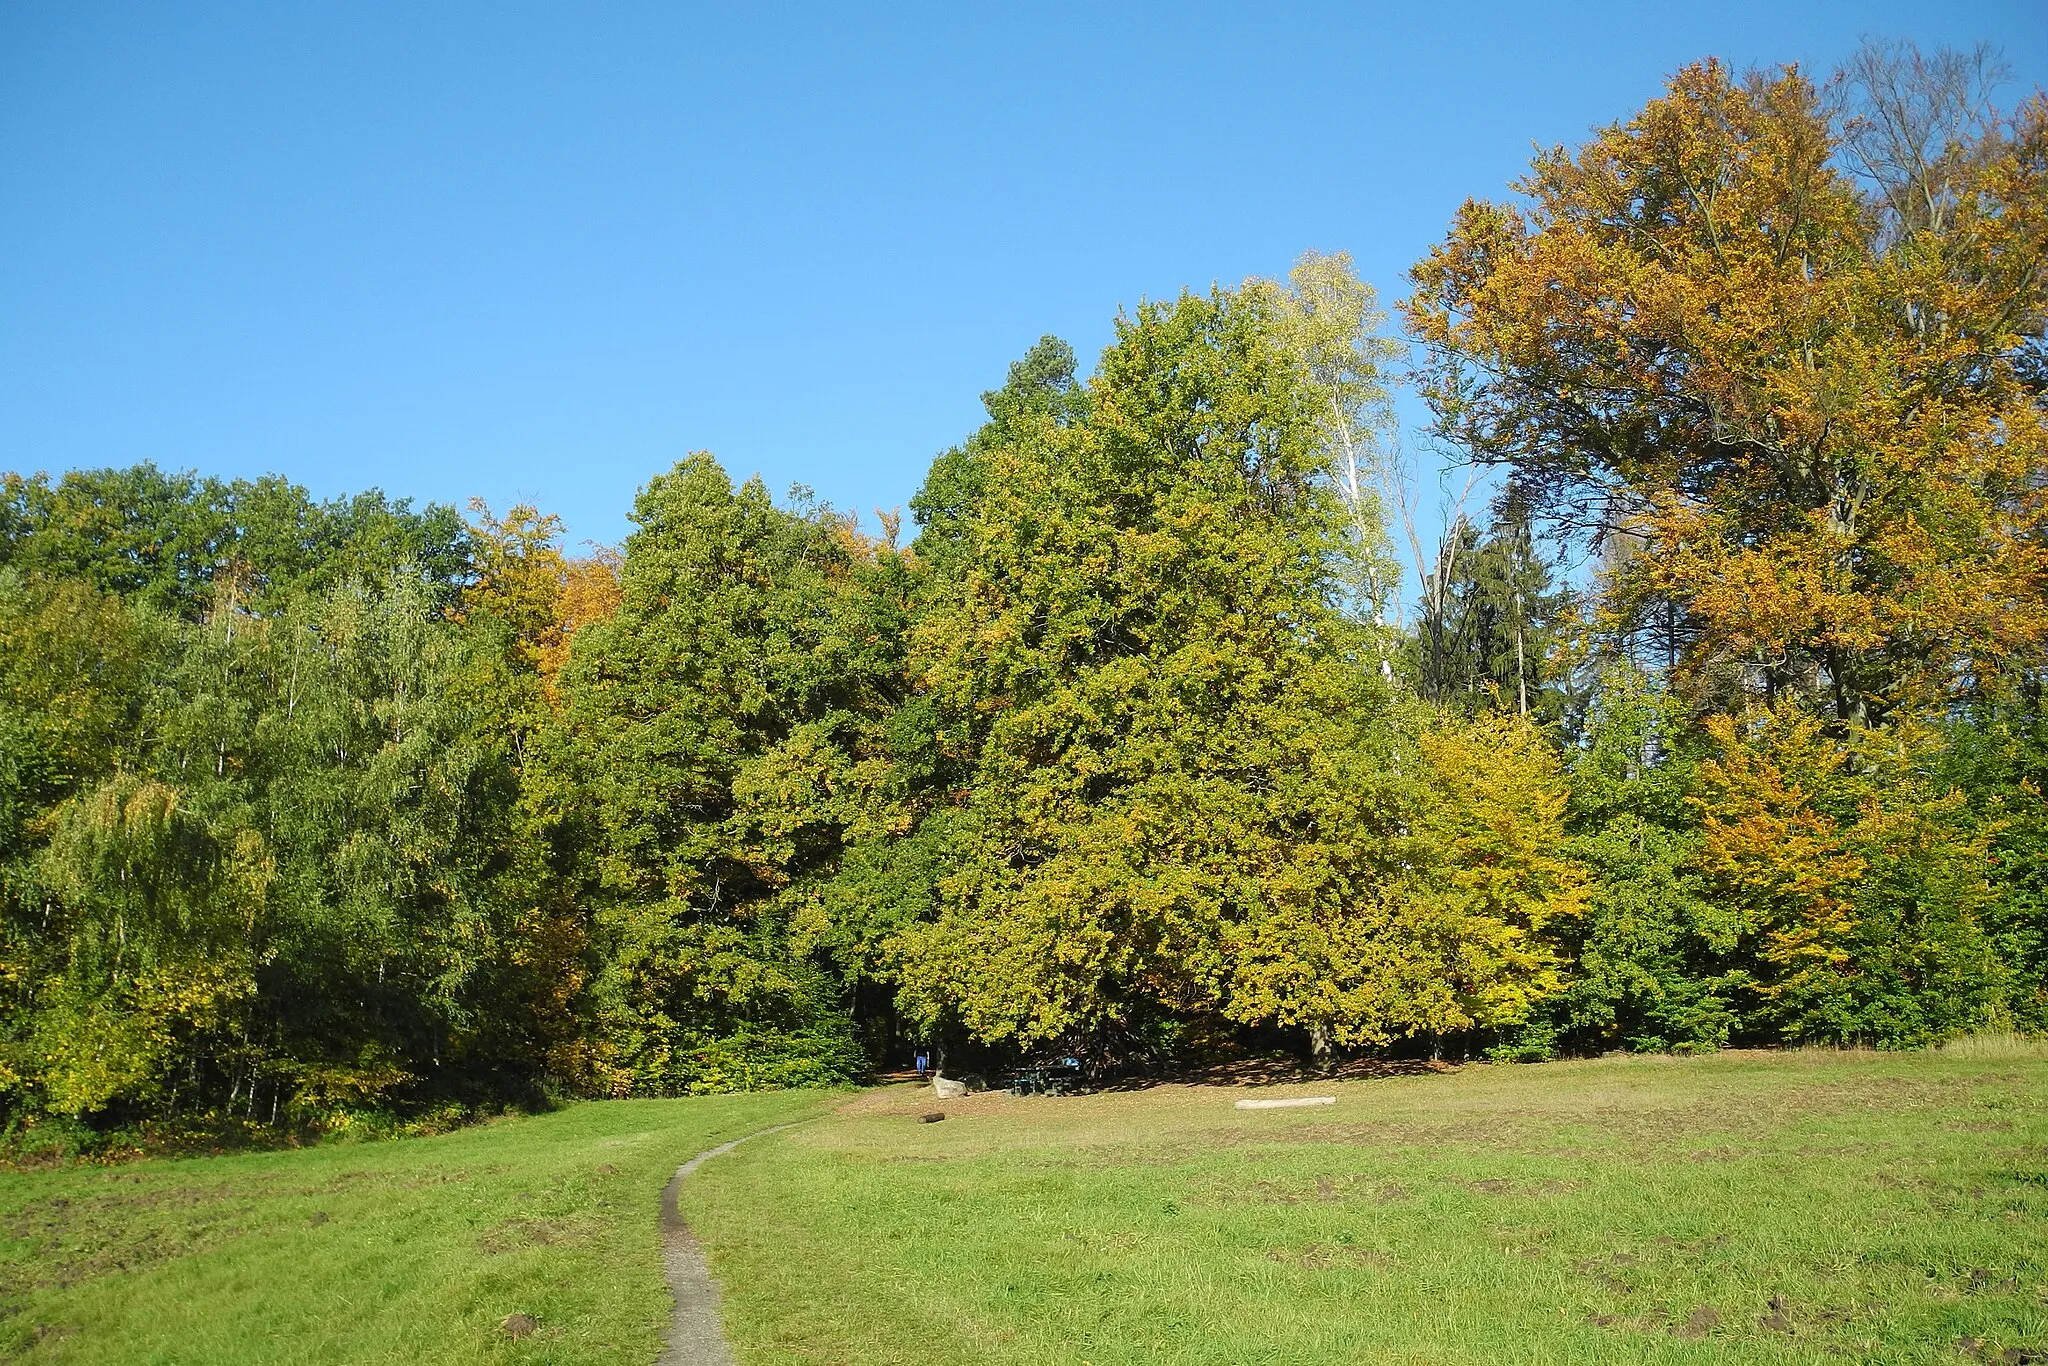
695 1336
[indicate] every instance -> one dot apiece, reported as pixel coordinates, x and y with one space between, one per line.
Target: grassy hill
410 1251
1790 1207
1745 1207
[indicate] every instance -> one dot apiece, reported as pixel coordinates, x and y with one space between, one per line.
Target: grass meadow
1807 1206
402 1251
1747 1207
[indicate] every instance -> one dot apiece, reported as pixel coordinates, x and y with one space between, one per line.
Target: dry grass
1996 1048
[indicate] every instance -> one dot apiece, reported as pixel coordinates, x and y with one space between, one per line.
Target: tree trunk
1521 665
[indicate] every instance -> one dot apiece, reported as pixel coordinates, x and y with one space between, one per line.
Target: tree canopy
1721 722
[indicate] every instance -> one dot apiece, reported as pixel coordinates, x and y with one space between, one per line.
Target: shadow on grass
1273 1071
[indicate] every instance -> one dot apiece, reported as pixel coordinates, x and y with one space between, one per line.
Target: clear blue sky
539 252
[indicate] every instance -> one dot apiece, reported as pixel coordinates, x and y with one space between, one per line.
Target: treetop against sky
540 255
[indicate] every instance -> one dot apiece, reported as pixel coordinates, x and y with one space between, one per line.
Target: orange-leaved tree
1804 422
1853 877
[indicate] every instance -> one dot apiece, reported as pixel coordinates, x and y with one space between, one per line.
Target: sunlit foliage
1724 727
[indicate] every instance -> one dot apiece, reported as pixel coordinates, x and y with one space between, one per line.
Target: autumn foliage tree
1813 420
1775 351
1729 728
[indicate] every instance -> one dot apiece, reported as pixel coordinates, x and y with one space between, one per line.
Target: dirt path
694 1335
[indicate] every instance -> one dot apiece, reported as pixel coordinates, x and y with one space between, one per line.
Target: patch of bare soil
1695 1323
1498 1186
1702 1320
1327 1190
1779 1316
516 1235
73 1240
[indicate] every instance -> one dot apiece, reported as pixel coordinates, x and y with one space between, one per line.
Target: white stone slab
1294 1103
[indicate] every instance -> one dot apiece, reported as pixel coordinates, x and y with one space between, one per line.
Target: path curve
695 1337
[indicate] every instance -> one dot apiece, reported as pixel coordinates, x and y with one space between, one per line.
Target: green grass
1624 1210
406 1251
1806 1206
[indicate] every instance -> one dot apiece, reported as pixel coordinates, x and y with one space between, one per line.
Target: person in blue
924 1063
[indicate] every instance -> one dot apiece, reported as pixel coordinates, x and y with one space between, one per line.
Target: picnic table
1056 1077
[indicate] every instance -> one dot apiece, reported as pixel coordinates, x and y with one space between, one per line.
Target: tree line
1719 719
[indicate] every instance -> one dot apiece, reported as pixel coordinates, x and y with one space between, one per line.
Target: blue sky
539 252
